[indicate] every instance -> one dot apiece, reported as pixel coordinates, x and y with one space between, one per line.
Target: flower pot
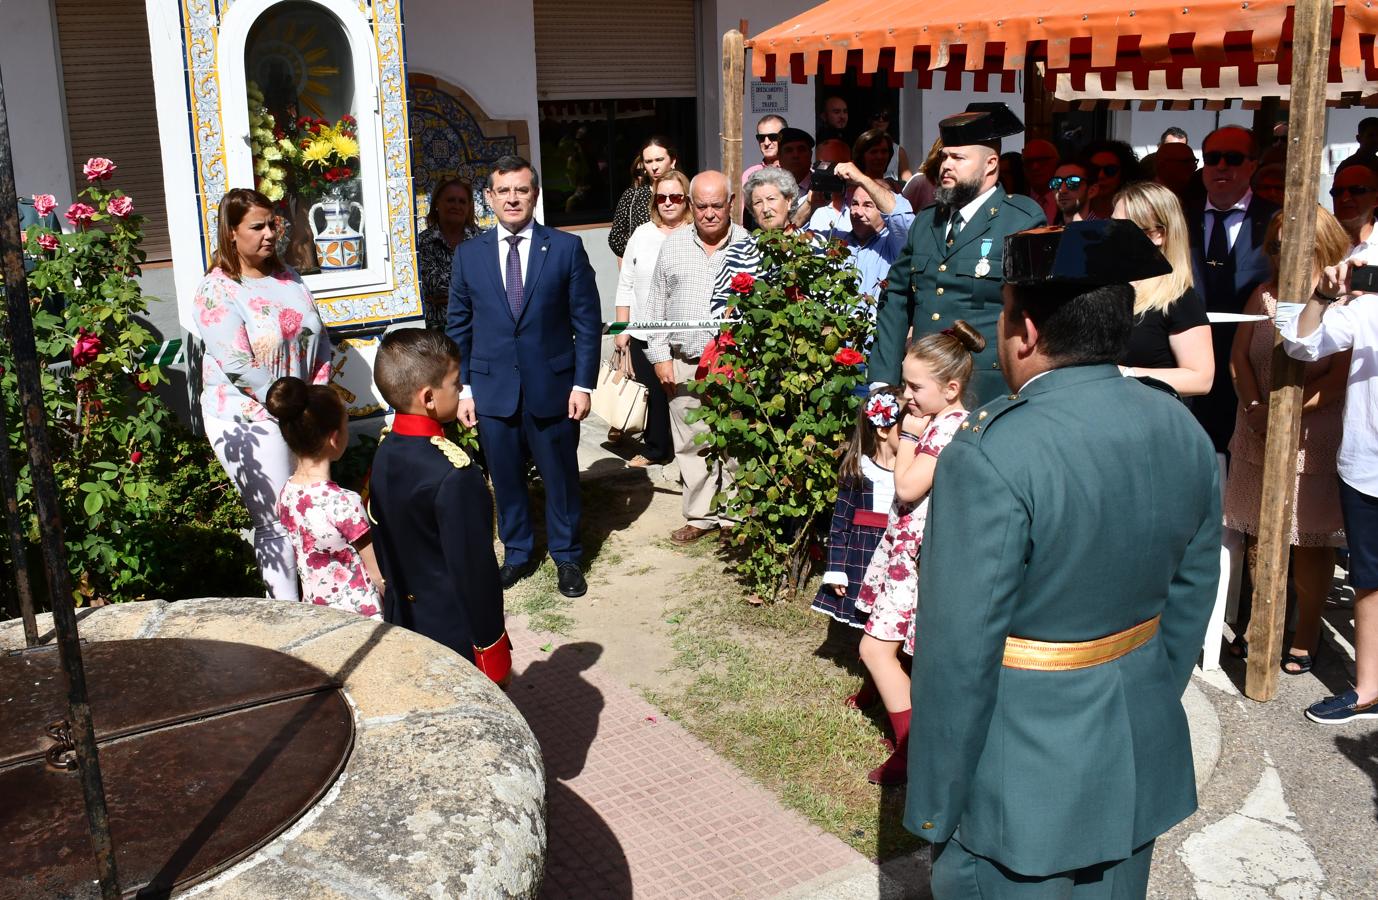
338 246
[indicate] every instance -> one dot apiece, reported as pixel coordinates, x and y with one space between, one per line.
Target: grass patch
761 696
539 599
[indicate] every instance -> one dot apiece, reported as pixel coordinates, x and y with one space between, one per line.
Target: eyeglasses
676 199
1353 190
1232 158
1071 181
773 137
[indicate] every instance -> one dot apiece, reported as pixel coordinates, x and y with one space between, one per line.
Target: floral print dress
890 588
256 331
324 521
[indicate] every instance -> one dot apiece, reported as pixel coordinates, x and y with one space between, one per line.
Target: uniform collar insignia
416 426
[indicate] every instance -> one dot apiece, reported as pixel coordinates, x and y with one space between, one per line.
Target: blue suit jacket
536 358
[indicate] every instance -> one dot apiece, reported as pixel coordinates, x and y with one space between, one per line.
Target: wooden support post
733 90
1305 138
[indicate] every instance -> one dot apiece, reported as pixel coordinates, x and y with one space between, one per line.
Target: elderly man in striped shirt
682 289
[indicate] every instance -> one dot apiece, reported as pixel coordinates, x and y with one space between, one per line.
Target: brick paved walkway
638 806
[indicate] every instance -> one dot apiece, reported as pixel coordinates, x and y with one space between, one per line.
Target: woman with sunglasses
1317 526
669 211
1171 338
1354 196
1113 165
634 206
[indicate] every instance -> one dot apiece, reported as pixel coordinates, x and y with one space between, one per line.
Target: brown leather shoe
689 534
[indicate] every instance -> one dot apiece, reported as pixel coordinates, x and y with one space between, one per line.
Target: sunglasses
1111 170
1231 157
676 199
773 137
1071 181
1353 190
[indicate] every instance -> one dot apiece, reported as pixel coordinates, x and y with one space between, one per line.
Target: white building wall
34 100
487 50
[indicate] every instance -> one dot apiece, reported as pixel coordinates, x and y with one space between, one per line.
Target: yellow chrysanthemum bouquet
308 157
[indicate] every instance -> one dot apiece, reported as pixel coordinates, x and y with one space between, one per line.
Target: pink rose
44 203
49 241
98 168
340 575
86 348
289 320
120 206
304 503
212 315
79 214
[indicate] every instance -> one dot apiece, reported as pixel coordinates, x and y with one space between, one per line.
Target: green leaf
93 503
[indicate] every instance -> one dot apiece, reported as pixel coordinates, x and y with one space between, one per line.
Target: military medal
983 264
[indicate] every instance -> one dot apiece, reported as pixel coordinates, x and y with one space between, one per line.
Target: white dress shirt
971 209
1233 222
1353 326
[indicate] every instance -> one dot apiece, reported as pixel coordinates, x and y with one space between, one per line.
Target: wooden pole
733 90
1305 138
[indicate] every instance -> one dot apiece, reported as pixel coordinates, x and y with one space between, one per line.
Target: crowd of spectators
1212 211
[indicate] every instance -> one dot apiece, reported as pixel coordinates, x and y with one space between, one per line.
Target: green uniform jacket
931 285
1079 507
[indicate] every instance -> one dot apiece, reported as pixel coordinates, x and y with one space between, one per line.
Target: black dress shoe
572 583
510 575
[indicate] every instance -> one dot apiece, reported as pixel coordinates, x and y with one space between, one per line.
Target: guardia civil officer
951 267
1069 568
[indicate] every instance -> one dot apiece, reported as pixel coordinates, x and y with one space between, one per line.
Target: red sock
895 770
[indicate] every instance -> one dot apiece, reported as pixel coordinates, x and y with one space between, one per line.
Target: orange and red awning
1094 47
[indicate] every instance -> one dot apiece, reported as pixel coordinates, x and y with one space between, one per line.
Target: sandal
1303 662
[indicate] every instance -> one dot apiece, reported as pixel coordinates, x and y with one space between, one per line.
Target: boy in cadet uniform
1069 568
951 266
434 514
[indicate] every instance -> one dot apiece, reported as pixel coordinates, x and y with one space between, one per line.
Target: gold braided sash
1046 656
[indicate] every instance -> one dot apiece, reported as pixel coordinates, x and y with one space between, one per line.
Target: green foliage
141 503
780 402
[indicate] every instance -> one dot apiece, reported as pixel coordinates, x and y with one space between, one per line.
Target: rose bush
126 495
780 401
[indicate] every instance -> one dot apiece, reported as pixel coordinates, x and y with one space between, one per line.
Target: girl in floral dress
257 323
936 371
327 524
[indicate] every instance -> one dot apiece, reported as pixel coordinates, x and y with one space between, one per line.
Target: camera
823 178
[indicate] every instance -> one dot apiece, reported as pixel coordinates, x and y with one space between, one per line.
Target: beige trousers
703 476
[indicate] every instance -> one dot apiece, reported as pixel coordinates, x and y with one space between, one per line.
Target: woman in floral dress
258 323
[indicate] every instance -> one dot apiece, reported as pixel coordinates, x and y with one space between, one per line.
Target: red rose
135 457
138 379
793 294
86 348
847 357
98 168
48 241
742 282
79 214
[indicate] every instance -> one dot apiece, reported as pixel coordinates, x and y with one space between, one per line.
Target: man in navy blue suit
525 313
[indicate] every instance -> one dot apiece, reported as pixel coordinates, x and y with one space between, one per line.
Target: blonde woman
1171 340
1317 526
669 211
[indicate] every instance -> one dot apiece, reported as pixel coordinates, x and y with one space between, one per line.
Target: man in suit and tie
950 267
525 312
1228 261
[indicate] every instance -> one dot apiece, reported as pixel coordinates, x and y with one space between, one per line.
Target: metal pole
1305 138
19 326
18 552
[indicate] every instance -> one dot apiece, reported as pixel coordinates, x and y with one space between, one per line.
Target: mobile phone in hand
1364 279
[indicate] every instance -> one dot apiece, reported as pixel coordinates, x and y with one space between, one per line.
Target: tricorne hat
1090 253
982 123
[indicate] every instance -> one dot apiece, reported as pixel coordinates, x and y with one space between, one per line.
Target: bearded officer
950 268
1069 569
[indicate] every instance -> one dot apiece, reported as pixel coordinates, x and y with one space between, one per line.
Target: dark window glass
588 148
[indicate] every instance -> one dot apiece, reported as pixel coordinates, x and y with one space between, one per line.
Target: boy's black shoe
572 583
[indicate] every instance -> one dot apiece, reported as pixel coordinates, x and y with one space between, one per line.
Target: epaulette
1024 204
979 421
456 456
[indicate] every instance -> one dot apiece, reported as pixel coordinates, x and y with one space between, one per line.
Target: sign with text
769 97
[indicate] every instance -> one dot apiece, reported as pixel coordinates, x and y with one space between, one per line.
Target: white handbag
619 399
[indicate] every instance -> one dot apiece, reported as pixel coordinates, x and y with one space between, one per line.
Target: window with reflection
304 134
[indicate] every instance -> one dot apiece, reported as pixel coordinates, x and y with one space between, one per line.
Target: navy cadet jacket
434 537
